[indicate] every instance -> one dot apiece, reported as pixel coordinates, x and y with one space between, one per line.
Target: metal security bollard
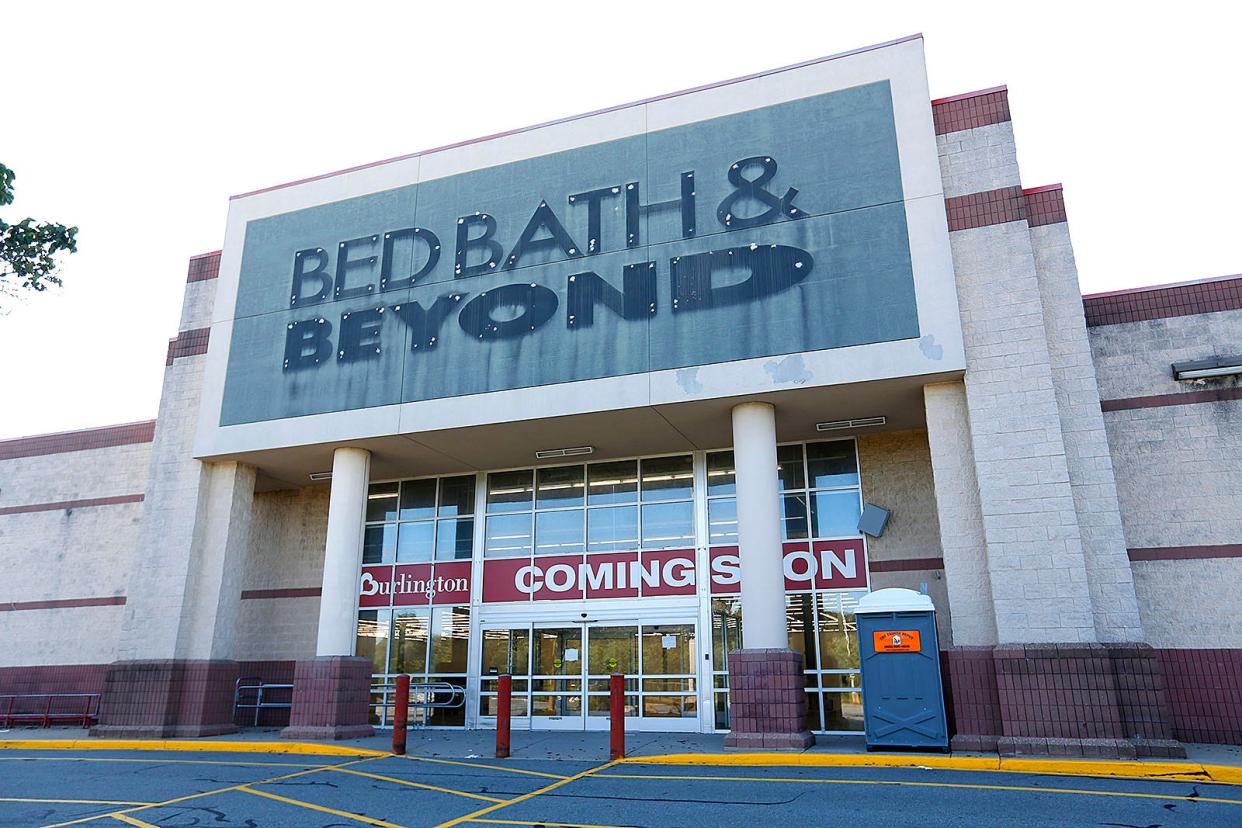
616 713
401 715
504 707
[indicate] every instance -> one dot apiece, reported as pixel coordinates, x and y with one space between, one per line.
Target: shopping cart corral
432 703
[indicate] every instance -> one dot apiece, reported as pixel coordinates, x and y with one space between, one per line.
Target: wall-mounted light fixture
576 451
1214 366
841 425
321 475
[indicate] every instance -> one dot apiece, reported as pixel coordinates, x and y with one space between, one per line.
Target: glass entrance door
561 674
556 682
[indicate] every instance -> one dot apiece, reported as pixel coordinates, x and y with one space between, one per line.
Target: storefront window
820 500
429 644
422 521
417 521
408 653
600 507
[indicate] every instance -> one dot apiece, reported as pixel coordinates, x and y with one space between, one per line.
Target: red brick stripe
1186 553
71 504
290 592
973 109
1162 400
91 438
1044 205
1205 296
188 343
906 565
64 603
204 267
984 209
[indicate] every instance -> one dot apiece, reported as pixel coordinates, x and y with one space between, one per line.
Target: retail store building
609 395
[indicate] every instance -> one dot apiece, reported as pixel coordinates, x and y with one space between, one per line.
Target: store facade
611 394
614 566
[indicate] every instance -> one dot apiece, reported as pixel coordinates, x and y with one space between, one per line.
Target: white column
342 554
758 526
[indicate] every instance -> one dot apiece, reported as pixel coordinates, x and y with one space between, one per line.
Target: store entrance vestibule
561 672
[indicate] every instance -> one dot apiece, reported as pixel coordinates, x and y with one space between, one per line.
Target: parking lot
59 788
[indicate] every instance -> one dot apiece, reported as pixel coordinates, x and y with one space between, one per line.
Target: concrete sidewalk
577 746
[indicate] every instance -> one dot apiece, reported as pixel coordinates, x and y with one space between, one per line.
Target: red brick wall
1141 304
1204 689
971 110
56 678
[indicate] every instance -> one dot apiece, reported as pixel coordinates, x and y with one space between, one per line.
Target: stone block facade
1074 511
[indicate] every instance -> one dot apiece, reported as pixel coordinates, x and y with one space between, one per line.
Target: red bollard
616 712
504 706
401 715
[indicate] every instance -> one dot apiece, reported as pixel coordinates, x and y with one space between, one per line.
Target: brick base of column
331 699
165 698
1096 700
767 701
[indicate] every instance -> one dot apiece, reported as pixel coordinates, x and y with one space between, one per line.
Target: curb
303 748
1179 771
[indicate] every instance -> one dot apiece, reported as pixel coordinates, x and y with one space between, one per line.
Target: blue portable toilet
903 699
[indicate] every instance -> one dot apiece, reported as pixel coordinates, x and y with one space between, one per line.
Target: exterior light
321 475
1216 366
841 425
577 451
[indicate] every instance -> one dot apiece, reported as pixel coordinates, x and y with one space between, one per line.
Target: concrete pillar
767 702
961 521
342 554
759 525
331 692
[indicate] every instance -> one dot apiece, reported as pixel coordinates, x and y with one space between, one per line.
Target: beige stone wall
895 467
74 475
1190 603
1134 359
66 554
287 535
1179 478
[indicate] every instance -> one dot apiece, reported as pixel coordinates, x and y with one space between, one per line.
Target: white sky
137 121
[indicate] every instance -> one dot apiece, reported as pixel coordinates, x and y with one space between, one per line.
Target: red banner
404 585
838 564
602 575
835 564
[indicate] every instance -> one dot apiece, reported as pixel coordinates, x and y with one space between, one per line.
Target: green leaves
28 248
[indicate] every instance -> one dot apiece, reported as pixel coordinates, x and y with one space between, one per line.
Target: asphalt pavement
200 788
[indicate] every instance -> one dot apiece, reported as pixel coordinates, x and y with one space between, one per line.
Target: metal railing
249 693
44 708
425 698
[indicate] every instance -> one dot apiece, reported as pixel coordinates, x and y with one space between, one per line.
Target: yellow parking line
70 801
204 745
188 797
418 785
357 817
473 817
545 823
959 785
129 820
160 761
487 767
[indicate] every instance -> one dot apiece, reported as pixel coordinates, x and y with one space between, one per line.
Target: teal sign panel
773 231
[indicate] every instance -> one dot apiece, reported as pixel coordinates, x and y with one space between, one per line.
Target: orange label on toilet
896 641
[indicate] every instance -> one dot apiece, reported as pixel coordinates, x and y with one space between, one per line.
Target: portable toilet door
903 698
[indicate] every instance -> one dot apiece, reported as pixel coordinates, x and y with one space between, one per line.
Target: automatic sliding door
556 683
610 650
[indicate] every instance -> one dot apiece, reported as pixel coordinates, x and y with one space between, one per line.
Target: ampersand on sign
754 189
